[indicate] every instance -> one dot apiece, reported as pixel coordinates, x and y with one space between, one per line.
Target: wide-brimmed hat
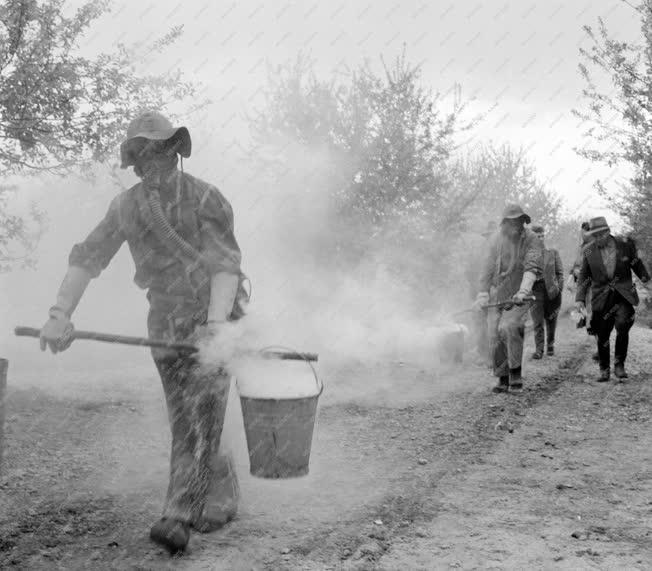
490 229
514 211
597 224
154 126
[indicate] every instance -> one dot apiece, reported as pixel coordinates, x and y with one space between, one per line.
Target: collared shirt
609 254
198 212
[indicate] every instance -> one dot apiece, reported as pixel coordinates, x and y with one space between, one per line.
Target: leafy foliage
492 177
382 150
387 145
61 112
620 121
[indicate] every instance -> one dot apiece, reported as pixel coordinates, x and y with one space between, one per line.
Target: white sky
517 58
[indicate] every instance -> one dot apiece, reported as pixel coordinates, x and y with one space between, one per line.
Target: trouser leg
551 328
512 330
623 321
196 404
498 344
551 313
604 324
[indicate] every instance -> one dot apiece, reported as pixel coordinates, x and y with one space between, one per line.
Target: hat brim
525 217
597 230
185 148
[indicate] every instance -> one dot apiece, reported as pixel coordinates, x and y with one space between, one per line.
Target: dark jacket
594 274
553 273
529 259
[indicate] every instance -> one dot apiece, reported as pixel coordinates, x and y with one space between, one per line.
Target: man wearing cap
547 291
179 230
511 267
606 268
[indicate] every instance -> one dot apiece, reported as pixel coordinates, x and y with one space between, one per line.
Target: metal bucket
279 433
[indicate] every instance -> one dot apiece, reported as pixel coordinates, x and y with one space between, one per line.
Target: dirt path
570 488
421 471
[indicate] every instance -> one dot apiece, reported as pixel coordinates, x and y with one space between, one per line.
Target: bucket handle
320 385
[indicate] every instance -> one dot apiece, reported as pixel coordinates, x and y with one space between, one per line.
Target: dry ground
410 470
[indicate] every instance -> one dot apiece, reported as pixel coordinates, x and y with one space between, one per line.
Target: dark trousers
544 312
619 315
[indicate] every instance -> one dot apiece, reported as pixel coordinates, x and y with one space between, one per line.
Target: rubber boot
222 498
171 534
515 380
502 386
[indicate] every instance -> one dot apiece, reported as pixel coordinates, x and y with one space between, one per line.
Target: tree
385 142
620 120
491 177
566 238
61 112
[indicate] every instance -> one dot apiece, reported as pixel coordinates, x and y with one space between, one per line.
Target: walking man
180 233
547 291
510 269
606 269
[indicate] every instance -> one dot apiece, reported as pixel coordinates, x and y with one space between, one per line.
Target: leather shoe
171 534
551 351
604 376
619 371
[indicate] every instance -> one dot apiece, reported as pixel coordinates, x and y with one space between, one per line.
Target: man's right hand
481 300
579 305
57 333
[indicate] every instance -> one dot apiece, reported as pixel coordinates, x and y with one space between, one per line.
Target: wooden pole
4 364
23 331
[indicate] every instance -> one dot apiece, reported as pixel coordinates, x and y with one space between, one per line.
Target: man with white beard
510 269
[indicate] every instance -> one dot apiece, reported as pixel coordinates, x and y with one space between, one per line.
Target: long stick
494 304
23 331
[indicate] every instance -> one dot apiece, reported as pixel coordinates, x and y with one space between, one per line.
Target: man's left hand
519 297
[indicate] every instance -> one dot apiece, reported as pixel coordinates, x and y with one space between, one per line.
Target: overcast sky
517 59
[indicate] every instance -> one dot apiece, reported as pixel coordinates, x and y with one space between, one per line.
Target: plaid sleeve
95 253
219 246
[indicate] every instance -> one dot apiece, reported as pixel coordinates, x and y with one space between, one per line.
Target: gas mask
154 161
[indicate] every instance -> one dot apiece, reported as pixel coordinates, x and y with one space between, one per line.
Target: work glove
519 297
481 300
58 330
57 333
